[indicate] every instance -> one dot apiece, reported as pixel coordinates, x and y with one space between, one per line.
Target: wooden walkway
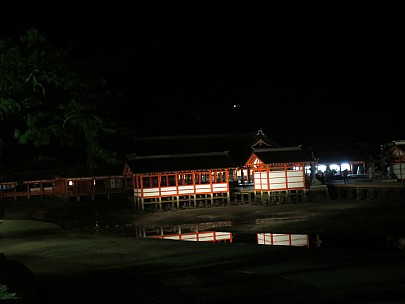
251 196
67 188
368 190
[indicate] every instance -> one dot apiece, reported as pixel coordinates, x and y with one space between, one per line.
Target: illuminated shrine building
279 173
210 178
174 181
208 170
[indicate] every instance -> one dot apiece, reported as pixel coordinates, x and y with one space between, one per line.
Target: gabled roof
262 141
180 162
238 145
282 155
397 152
398 146
194 143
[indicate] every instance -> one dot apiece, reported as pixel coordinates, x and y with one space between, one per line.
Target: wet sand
84 267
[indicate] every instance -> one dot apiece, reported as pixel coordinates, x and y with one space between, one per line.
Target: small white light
345 166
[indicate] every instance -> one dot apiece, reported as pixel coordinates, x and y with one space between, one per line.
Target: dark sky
303 74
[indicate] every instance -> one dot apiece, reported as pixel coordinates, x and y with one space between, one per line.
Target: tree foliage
47 96
5 294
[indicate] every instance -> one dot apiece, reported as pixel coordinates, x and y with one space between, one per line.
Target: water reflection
283 239
137 230
198 236
274 219
202 232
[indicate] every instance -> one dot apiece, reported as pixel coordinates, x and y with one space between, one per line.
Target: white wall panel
295 173
276 174
278 186
295 179
151 194
186 191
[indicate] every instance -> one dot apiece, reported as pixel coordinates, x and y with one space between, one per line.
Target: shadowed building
397 159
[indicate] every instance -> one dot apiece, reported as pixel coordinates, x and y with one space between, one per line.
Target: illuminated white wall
279 180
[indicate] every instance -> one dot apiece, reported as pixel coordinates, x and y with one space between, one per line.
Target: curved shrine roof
283 155
180 162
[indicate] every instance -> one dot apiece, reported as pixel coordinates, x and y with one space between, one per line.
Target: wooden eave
397 151
179 163
283 155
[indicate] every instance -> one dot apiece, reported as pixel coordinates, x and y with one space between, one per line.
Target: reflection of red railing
283 239
205 236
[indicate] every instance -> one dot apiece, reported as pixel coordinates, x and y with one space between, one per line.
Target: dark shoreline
81 267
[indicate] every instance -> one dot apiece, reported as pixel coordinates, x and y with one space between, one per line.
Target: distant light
345 166
322 168
236 105
334 167
70 183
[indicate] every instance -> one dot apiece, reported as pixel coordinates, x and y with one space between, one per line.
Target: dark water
101 225
121 287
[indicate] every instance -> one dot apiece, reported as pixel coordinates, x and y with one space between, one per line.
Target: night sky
303 74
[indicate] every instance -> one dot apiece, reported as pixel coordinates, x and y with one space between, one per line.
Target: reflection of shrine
198 236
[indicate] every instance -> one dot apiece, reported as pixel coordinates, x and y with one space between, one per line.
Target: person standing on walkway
345 178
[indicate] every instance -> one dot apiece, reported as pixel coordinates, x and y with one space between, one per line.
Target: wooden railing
49 188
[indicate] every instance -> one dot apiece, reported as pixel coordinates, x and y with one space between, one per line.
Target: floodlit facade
209 170
279 173
180 180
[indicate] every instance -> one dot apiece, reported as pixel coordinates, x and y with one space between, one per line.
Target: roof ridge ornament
260 132
261 140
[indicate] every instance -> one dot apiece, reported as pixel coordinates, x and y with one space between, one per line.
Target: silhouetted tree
48 97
